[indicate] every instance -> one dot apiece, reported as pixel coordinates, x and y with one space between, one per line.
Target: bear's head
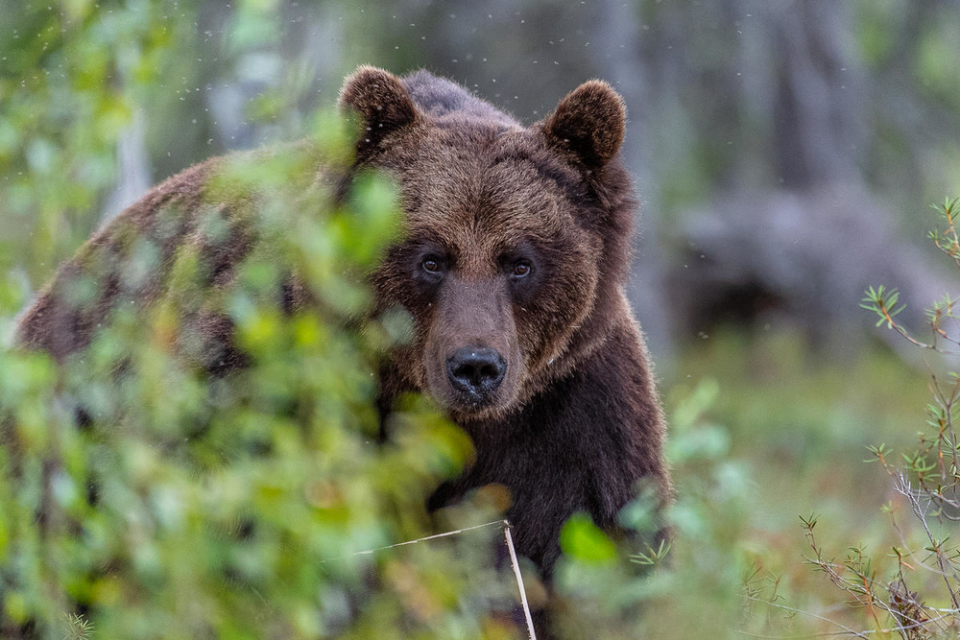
516 240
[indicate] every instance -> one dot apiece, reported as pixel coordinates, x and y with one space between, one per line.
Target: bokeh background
785 153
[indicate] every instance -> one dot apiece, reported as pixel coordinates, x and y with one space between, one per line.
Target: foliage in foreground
143 497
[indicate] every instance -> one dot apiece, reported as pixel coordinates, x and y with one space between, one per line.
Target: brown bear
512 264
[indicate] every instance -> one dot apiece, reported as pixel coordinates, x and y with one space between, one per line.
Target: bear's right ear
381 102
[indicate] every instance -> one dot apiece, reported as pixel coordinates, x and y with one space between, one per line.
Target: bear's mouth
465 408
471 403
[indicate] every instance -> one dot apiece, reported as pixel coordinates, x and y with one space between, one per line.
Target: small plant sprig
947 240
77 627
942 316
653 556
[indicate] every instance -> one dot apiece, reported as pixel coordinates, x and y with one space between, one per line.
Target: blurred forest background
785 153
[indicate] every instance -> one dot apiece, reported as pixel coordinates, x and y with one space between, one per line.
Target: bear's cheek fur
565 296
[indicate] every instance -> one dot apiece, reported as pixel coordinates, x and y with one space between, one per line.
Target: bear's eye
431 264
521 268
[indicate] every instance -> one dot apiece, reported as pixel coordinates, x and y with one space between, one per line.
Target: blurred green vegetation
184 505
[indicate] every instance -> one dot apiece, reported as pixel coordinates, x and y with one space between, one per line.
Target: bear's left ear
588 124
382 103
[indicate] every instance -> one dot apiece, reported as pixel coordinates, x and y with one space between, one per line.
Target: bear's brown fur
512 264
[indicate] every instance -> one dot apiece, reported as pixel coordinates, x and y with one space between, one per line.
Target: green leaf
580 538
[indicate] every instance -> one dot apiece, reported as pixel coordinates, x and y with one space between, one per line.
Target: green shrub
142 497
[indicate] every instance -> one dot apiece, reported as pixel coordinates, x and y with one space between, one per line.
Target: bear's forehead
488 182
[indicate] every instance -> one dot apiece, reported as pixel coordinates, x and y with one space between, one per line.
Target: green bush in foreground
155 500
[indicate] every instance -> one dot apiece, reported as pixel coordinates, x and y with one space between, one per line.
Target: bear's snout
476 371
473 364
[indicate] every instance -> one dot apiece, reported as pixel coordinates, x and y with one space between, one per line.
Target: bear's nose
476 370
